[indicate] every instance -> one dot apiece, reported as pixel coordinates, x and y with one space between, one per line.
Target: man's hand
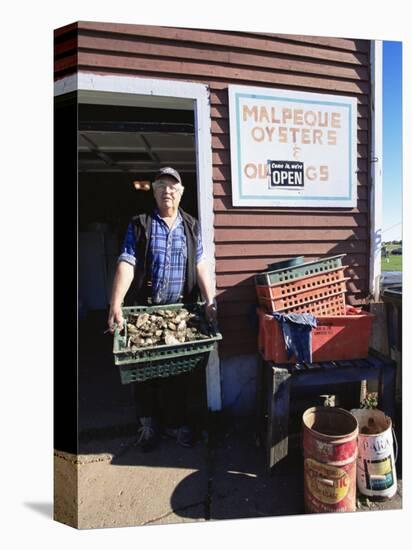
115 318
211 315
122 280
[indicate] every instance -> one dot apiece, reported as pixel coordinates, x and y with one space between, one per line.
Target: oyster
131 329
181 325
137 340
165 327
142 319
170 339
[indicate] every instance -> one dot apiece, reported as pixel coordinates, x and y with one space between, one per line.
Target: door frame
376 152
122 90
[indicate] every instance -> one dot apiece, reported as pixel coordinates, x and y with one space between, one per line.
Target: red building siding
246 239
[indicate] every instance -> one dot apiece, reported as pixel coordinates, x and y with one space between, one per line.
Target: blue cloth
167 257
297 332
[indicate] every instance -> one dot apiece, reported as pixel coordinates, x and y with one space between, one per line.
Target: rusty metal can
330 453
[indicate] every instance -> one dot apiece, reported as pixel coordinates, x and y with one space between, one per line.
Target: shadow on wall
238 323
237 303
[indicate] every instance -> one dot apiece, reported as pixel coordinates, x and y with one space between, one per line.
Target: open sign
286 174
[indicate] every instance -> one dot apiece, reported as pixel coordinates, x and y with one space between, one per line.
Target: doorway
120 149
171 125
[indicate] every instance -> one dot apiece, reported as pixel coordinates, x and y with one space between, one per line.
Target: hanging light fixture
142 185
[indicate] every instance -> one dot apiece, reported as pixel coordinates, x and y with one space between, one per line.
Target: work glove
211 316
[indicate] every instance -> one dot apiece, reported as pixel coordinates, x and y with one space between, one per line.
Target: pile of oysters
165 327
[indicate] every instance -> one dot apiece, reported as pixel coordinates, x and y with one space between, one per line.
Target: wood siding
247 239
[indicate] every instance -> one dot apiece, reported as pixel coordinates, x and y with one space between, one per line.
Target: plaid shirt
167 257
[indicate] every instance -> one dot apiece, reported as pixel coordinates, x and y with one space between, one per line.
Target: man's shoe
183 435
147 437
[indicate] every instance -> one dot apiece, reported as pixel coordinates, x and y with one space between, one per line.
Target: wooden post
379 335
260 401
387 389
278 387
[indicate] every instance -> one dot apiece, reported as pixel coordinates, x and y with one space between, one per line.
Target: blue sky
392 141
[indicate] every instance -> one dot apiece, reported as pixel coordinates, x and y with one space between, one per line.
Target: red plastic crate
326 304
336 338
304 284
310 301
319 294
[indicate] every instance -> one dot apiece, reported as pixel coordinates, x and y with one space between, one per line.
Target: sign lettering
292 148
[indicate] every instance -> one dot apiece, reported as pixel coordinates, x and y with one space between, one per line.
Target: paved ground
223 478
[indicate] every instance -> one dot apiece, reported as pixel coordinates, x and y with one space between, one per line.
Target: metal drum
330 452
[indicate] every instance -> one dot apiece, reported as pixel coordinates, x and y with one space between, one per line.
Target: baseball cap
168 171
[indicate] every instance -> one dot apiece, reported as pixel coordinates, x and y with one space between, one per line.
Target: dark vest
140 289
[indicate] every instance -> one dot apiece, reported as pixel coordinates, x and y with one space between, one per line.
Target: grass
394 264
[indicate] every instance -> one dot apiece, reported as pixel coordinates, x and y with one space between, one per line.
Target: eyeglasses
174 187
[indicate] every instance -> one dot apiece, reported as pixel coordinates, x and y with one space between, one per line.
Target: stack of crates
316 287
319 288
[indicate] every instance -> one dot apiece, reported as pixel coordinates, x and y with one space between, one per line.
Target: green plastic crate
302 270
159 361
297 260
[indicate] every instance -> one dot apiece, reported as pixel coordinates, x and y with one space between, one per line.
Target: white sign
292 148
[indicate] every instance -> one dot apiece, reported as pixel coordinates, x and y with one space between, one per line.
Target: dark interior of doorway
109 197
107 200
108 165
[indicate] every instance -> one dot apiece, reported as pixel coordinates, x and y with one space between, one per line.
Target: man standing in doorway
162 260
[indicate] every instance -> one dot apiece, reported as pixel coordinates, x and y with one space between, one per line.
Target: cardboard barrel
330 453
